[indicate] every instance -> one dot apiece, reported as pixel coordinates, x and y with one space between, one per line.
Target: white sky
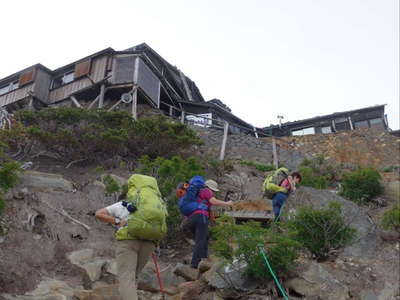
263 58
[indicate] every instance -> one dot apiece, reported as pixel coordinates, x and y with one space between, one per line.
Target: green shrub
391 218
321 230
111 184
318 173
259 166
241 242
169 173
80 134
9 171
361 186
309 178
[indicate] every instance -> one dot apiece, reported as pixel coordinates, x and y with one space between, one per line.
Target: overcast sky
263 58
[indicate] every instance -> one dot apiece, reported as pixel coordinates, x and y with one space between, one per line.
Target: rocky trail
54 248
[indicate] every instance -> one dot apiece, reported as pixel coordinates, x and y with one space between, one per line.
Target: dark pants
277 202
198 225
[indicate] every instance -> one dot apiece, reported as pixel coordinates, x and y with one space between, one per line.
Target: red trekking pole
158 275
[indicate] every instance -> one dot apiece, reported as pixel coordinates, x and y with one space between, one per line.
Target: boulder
186 272
229 280
316 282
85 259
148 281
368 238
48 289
45 181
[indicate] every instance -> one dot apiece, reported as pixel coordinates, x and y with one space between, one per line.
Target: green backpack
148 222
272 182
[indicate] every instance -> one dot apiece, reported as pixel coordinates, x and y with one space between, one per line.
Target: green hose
272 272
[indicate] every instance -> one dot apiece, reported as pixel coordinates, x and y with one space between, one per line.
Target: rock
86 260
20 194
390 291
111 267
94 268
186 272
392 189
367 239
192 289
148 280
230 279
81 256
318 282
48 289
45 181
205 265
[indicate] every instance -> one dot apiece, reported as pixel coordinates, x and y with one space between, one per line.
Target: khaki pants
132 256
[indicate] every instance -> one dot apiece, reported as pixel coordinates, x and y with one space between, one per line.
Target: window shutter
26 77
82 68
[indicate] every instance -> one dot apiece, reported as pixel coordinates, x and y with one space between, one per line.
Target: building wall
16 95
42 85
97 73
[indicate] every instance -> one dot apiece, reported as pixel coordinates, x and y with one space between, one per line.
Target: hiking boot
205 265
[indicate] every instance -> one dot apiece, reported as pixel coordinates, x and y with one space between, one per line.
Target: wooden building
368 117
112 79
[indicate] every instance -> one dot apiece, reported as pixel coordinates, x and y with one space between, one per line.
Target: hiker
198 220
288 185
133 251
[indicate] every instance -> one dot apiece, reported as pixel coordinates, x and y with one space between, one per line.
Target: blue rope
272 272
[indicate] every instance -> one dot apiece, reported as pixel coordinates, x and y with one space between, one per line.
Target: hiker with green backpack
278 185
141 224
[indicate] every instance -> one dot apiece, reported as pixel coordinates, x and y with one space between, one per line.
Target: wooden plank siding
16 95
97 73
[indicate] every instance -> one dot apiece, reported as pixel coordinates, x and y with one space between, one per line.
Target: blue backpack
188 202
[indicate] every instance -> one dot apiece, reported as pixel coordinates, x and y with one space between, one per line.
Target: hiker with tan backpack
141 223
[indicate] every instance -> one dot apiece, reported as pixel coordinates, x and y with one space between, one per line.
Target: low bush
259 166
318 173
9 171
169 173
78 134
321 231
241 244
362 185
391 218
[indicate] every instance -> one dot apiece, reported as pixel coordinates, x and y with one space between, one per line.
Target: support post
75 101
224 139
171 111
351 123
274 153
134 105
93 102
255 132
182 117
101 97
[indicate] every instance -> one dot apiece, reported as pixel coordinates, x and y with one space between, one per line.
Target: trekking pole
158 275
261 247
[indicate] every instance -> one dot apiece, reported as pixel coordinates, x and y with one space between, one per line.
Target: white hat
212 185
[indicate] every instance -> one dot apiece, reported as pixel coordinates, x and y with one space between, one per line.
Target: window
9 87
63 79
326 129
361 124
304 131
